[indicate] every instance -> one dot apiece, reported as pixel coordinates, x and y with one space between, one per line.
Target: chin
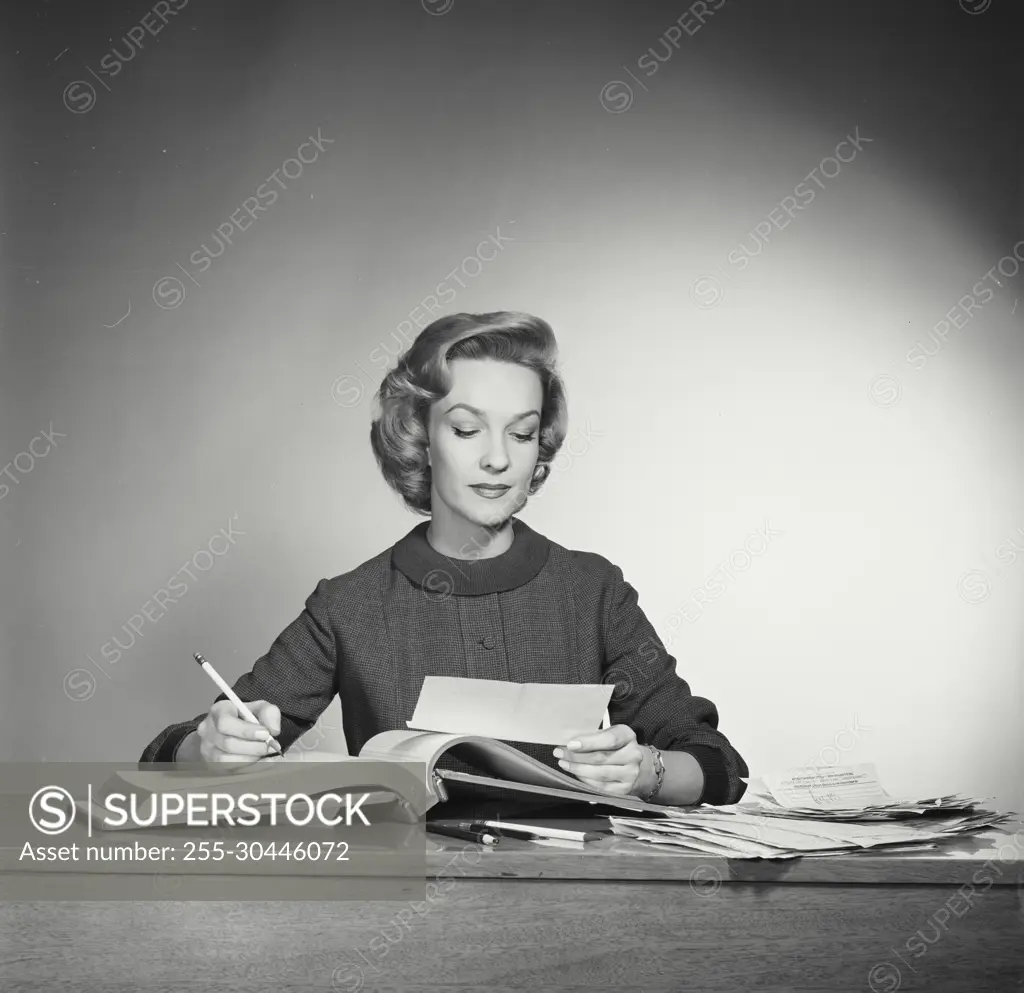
498 515
490 519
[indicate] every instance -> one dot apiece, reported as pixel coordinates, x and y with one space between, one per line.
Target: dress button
487 642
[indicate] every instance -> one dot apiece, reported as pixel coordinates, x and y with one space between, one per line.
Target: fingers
621 756
268 714
210 753
234 727
618 788
614 771
223 731
609 739
617 780
616 745
239 747
601 775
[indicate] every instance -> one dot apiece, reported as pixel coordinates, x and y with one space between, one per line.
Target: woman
469 422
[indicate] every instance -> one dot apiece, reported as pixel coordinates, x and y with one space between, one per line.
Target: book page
408 746
495 757
289 768
606 799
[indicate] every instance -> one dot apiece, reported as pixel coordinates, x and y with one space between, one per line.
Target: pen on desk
245 712
534 831
463 832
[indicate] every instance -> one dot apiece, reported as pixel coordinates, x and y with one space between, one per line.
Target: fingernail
573 744
263 734
558 753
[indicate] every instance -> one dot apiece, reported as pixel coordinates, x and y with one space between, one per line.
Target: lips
491 488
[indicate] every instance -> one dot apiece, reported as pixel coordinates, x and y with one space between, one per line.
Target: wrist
652 772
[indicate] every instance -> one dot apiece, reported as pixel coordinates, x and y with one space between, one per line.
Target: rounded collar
442 576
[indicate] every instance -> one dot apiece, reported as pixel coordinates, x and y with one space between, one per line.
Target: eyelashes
524 438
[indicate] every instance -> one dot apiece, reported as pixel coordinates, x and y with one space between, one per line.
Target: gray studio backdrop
779 244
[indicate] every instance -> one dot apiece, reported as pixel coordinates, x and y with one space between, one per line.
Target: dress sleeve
657 704
298 674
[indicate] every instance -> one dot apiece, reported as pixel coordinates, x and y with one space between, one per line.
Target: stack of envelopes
839 810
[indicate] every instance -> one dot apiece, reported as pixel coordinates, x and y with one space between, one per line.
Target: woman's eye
470 432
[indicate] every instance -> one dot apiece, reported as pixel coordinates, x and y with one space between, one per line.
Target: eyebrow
482 416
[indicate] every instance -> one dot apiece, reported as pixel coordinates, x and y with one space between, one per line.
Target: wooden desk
615 916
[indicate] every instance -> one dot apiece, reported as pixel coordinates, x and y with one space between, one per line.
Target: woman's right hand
224 736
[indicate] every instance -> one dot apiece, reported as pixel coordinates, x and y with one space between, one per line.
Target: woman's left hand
611 760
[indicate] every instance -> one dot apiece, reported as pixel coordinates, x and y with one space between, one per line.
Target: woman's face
484 440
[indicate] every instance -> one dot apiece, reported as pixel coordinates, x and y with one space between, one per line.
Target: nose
495 458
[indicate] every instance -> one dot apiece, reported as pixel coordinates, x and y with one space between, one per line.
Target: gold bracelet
659 772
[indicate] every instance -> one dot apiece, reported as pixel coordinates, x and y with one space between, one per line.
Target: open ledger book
315 772
504 765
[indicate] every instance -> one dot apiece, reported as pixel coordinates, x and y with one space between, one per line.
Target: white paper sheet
841 787
545 713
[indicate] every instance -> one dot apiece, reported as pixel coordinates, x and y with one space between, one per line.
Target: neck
458 538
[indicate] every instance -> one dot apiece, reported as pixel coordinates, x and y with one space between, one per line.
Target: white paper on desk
709 841
545 713
840 787
738 828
